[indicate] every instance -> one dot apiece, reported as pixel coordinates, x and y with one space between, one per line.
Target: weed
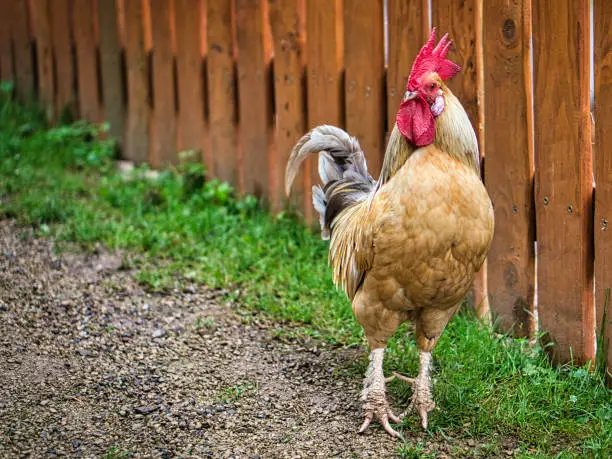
233 393
115 453
208 323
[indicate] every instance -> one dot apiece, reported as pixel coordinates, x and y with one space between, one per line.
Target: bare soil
91 365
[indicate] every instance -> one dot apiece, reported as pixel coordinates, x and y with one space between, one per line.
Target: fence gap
602 15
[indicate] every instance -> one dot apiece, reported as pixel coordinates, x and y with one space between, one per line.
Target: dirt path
90 364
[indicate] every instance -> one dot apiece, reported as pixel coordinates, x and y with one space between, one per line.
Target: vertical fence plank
137 135
221 92
406 36
324 49
287 19
7 72
189 74
87 71
509 164
603 164
62 51
364 79
462 20
41 11
564 175
112 83
254 98
163 151
458 19
22 46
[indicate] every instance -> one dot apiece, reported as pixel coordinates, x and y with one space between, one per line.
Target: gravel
92 365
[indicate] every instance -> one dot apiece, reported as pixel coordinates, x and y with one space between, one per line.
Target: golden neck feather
454 135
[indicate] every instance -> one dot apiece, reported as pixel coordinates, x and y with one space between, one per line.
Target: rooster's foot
374 396
376 406
421 399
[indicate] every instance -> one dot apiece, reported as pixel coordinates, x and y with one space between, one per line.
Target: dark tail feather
342 168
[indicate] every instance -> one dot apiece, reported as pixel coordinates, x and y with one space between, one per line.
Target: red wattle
416 122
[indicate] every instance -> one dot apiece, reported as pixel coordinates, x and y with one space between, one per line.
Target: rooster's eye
432 86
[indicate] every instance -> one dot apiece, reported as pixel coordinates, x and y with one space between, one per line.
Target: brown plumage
406 247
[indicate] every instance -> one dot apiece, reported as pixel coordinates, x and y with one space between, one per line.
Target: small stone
159 332
147 409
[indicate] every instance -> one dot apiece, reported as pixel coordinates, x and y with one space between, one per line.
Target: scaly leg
421 388
430 324
374 395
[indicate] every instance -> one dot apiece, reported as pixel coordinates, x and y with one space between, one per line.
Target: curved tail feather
342 169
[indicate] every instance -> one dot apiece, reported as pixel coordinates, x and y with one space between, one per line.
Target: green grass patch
179 228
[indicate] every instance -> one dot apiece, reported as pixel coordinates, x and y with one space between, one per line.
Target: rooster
405 247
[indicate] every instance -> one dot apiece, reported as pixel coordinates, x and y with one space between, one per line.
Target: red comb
432 59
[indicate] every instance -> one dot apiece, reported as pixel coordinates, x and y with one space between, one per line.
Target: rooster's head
424 97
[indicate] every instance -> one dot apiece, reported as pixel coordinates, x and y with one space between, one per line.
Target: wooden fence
242 80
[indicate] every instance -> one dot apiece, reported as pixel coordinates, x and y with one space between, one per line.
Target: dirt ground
93 365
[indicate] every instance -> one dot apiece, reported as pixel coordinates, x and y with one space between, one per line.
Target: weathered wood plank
7 73
406 36
510 164
364 77
188 26
87 72
22 48
603 164
163 136
325 93
41 26
254 98
462 20
564 176
62 51
137 133
458 18
287 19
113 85
221 91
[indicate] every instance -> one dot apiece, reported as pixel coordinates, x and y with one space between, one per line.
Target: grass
179 228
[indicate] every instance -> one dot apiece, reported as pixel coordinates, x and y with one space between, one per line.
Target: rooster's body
407 246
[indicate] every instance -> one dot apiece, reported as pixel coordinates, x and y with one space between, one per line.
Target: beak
409 95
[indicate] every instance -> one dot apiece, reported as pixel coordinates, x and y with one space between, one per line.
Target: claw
366 422
394 419
384 421
389 429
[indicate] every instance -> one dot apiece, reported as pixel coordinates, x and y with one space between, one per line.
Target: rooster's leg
421 388
430 324
374 395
